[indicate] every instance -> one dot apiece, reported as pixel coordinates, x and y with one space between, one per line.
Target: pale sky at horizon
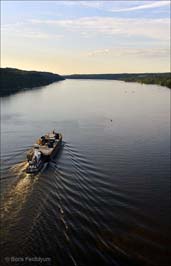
69 37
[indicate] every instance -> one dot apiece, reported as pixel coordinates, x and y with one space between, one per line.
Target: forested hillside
14 80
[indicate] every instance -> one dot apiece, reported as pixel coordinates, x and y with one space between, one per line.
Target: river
105 198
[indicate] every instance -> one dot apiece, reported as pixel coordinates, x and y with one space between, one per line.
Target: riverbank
162 79
15 80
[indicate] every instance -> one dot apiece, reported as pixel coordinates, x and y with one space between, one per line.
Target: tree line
14 80
163 79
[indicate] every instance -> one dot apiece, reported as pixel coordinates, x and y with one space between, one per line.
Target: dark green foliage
163 79
14 80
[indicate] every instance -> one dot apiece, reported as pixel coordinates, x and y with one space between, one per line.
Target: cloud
117 6
21 30
32 35
98 52
145 6
154 52
151 28
40 35
92 4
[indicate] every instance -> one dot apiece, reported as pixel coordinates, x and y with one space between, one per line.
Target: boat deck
45 150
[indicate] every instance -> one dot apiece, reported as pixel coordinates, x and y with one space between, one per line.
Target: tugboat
43 151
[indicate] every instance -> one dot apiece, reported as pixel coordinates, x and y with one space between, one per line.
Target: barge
43 151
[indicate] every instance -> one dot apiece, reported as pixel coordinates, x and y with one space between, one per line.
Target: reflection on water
19 168
15 197
104 199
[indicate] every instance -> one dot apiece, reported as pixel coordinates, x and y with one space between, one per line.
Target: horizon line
113 73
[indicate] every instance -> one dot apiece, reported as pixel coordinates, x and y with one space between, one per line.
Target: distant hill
14 80
163 79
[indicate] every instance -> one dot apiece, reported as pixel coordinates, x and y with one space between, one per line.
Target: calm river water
105 198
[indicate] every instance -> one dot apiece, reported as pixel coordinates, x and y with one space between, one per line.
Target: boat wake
19 168
74 197
14 199
16 195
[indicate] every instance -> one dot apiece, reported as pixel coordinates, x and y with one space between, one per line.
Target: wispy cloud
40 35
117 6
131 52
151 28
145 6
99 52
21 30
92 4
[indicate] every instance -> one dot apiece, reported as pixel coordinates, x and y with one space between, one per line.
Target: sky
68 37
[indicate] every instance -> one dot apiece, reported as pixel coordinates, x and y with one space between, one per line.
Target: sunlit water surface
104 200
